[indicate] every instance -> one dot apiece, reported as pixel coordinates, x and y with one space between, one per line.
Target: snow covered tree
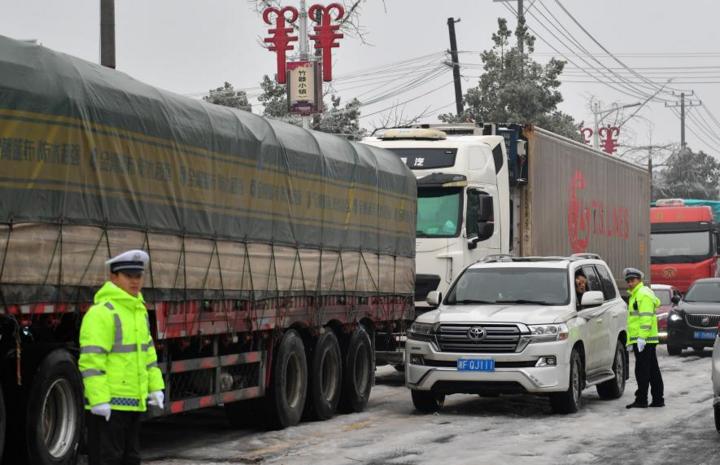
229 97
689 175
515 89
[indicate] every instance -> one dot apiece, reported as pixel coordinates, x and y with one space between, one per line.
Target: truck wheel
427 401
288 385
358 372
54 411
325 380
674 350
716 409
569 401
614 388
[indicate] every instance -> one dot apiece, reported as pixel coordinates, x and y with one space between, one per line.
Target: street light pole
597 112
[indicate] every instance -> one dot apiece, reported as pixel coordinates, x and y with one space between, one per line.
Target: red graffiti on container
591 217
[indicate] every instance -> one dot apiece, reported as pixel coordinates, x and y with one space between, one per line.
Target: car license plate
705 334
476 364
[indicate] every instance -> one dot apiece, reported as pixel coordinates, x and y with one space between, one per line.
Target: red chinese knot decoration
609 143
281 38
326 33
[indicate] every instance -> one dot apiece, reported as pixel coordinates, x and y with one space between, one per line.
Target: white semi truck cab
464 210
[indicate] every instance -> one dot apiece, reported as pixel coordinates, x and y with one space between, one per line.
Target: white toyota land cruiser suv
514 325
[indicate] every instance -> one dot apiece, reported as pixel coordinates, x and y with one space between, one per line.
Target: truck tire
674 350
54 418
325 378
358 372
427 401
569 401
716 409
614 388
285 400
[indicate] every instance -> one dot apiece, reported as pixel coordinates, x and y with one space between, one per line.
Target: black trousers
647 372
114 442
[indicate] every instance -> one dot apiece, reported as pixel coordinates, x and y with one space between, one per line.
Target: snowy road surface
469 430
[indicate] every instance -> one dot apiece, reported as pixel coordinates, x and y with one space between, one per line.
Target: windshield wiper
524 301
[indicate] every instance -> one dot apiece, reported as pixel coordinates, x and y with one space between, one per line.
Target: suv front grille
702 321
497 339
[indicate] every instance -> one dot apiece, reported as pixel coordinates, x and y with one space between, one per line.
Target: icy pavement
469 430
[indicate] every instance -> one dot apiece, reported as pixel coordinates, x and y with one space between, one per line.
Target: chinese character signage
304 87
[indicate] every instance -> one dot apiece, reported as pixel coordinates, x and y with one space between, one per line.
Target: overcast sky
190 46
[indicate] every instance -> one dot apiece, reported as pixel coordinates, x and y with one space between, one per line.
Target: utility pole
107 33
455 65
683 104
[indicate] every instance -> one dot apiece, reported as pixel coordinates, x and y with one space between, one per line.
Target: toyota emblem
705 321
476 333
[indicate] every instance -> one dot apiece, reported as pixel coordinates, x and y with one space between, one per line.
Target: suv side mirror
433 298
592 299
675 299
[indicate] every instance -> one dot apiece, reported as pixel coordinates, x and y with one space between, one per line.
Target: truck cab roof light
670 203
413 133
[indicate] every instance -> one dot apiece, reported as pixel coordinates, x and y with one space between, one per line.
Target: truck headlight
421 331
548 333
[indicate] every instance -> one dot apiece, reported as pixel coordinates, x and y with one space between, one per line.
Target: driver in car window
580 286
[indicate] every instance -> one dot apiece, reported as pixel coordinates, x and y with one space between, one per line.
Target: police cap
630 273
132 261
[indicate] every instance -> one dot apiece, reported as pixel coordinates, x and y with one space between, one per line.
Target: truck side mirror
433 298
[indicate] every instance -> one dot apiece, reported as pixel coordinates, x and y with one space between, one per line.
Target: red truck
281 260
684 243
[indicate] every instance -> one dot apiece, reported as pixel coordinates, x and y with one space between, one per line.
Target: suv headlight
421 331
674 316
548 333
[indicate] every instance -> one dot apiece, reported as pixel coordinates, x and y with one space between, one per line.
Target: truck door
482 233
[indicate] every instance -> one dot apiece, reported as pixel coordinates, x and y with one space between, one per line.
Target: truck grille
702 321
497 339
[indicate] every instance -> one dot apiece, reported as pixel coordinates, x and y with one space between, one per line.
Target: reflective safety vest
642 321
118 362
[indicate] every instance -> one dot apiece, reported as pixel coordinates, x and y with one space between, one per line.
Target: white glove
157 398
630 348
640 344
102 410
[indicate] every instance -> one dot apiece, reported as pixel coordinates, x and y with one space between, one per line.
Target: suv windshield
438 212
545 286
704 292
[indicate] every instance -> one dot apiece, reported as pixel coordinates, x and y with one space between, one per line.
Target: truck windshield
680 247
544 286
704 292
438 212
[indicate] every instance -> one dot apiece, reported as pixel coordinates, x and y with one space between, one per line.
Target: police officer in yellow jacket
642 335
118 364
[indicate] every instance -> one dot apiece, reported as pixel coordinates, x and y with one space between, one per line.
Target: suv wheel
569 401
427 401
613 389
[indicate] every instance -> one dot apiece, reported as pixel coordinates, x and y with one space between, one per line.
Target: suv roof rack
495 258
585 255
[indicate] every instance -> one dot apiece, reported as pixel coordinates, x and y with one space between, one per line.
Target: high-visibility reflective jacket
118 362
642 321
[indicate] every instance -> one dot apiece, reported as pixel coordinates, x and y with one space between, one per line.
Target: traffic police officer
118 364
642 336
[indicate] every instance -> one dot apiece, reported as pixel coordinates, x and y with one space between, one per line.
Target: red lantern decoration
326 33
280 38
